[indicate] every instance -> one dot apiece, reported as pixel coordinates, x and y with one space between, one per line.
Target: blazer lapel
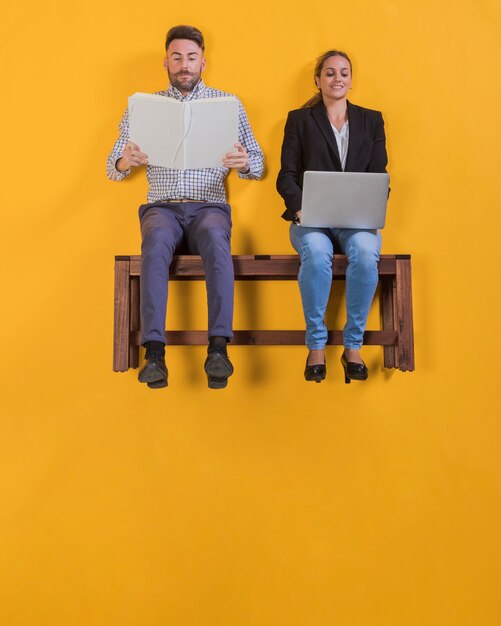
319 114
356 121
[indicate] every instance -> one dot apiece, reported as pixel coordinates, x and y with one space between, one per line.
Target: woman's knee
363 251
316 251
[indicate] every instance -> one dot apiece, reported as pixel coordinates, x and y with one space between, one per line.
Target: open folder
183 135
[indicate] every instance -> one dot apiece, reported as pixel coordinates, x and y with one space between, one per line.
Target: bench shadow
248 297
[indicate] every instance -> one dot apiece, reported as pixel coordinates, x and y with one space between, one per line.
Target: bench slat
257 267
269 337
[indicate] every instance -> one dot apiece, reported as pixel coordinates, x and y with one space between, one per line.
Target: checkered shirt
203 184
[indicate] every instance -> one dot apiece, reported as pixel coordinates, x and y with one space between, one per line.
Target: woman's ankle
316 357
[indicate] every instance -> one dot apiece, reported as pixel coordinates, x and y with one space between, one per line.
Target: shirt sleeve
248 141
116 153
289 181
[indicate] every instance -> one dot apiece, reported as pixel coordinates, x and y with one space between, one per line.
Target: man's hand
131 157
238 160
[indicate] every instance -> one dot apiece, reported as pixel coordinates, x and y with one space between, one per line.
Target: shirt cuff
119 173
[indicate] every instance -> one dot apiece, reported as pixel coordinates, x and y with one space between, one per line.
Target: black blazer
309 144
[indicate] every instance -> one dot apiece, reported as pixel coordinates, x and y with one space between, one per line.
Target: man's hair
185 32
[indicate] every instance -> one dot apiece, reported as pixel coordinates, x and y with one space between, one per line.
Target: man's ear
165 63
203 65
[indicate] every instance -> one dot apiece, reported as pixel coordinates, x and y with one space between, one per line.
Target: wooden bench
396 335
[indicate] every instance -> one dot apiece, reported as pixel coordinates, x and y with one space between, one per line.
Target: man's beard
184 81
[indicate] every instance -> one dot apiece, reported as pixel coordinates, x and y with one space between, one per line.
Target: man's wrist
246 170
119 165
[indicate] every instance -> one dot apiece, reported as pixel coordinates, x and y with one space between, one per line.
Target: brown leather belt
181 200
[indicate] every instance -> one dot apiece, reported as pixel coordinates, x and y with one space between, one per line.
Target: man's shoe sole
158 384
217 383
218 368
153 375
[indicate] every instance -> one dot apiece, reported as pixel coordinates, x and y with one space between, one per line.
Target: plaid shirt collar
196 92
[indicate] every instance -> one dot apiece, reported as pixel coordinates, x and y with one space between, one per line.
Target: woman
331 134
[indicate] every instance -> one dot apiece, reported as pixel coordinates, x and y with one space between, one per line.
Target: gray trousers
194 228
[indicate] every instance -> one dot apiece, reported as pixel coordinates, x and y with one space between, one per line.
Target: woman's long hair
318 70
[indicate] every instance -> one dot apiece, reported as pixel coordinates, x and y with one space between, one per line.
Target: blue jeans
315 247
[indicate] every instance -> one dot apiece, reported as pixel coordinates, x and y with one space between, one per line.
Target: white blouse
342 138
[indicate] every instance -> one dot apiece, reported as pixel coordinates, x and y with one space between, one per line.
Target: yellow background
274 502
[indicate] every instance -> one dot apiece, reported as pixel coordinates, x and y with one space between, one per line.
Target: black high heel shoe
315 373
353 371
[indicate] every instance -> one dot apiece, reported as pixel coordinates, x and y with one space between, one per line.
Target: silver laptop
344 199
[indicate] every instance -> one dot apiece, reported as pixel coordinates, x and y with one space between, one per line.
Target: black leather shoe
353 371
218 368
154 372
315 373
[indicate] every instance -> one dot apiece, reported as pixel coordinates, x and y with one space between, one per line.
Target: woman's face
335 78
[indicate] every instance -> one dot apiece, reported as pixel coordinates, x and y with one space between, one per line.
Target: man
186 207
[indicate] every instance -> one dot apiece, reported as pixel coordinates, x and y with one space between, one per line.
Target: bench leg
134 320
405 326
388 314
121 316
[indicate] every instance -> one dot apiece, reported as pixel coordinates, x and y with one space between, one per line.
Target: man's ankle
217 344
156 348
